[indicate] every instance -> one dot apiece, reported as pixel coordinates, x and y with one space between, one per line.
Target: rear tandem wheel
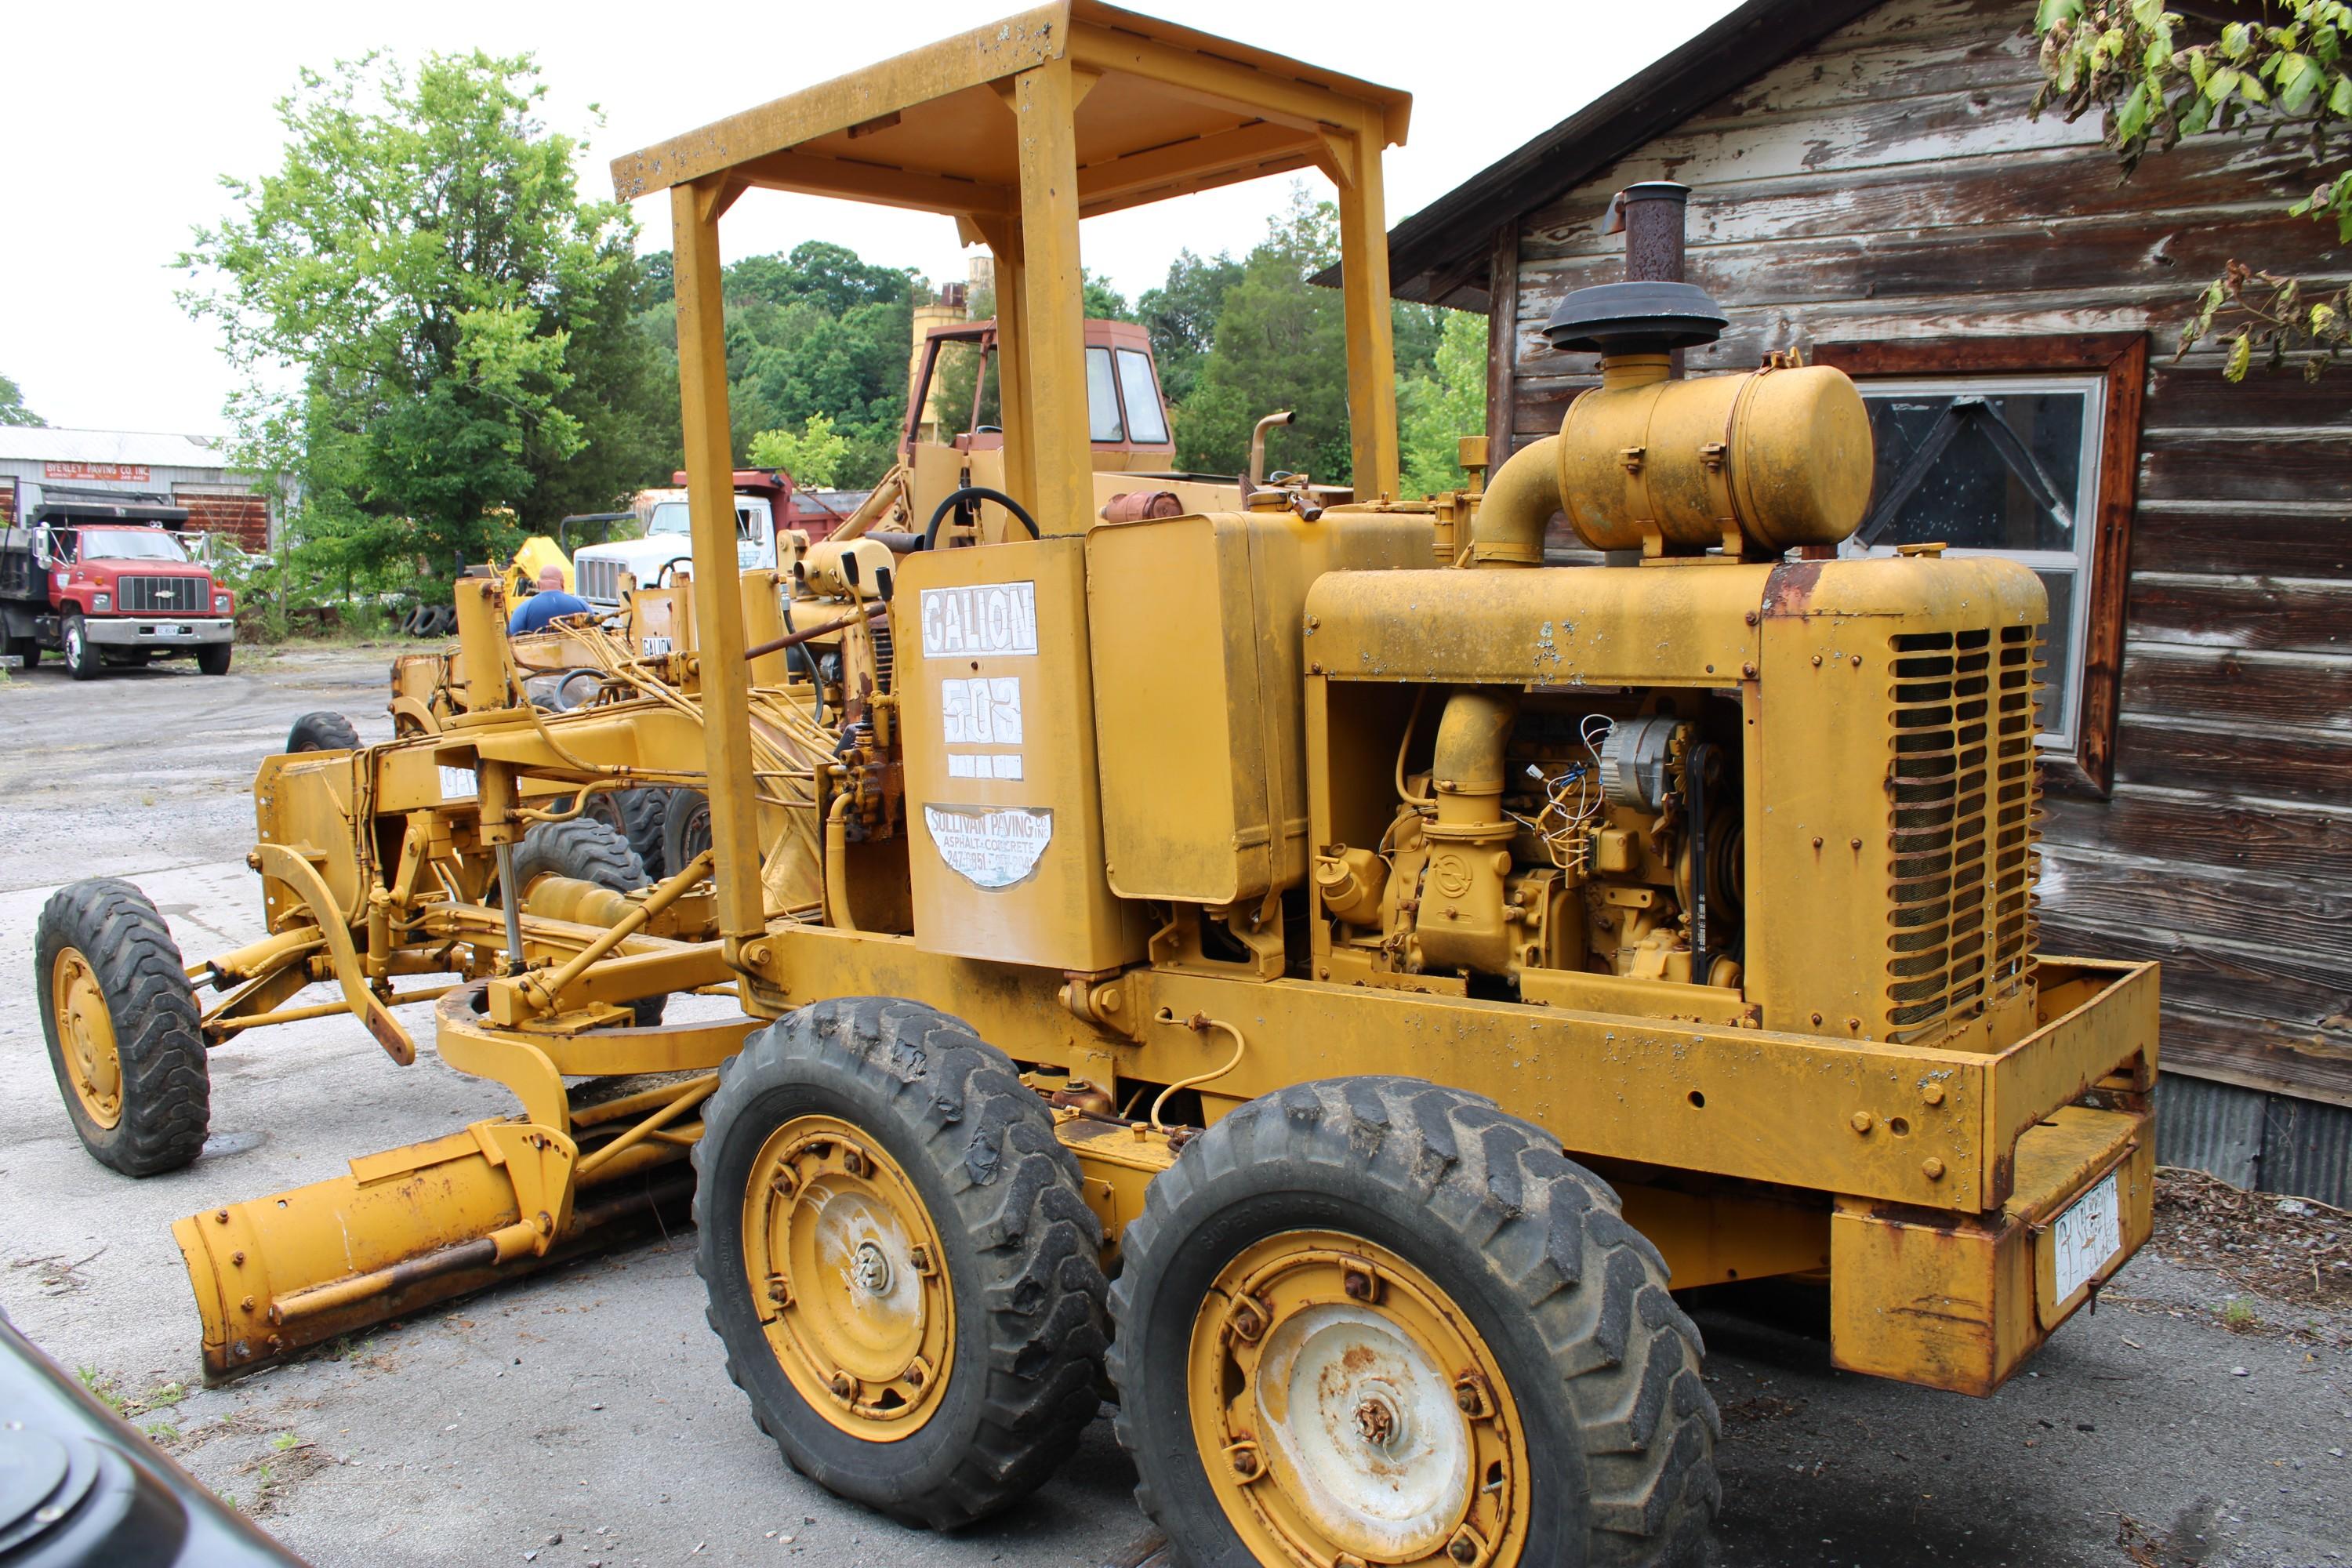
899 1259
1374 1319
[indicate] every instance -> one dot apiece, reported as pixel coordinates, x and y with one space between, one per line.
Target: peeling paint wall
1887 187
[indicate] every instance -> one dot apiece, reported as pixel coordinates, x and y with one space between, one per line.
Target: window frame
1111 382
2121 360
2063 737
1119 355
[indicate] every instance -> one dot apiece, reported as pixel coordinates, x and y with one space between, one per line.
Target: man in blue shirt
543 606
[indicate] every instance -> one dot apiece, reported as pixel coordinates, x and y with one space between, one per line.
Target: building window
2027 448
1997 466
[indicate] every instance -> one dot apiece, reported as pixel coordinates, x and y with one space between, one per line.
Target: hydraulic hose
970 493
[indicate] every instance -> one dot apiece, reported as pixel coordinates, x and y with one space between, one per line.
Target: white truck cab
666 547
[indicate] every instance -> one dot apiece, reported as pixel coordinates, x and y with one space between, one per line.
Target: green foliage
813 454
2156 76
1440 407
817 331
12 406
1280 341
424 261
1181 318
1103 302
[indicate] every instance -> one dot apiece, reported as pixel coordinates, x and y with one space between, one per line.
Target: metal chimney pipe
1654 211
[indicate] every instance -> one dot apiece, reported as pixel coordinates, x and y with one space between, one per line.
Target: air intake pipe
1756 464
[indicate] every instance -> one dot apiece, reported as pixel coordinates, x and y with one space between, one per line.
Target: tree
2156 76
1443 405
1181 316
1281 341
12 406
813 454
424 262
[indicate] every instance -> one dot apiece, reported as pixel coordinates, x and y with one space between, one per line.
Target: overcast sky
121 119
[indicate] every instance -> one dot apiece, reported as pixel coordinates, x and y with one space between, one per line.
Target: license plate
2087 1237
173 631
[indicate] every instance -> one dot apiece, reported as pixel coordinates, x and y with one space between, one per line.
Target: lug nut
844 1387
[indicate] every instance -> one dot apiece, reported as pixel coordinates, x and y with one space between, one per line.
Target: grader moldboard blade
414 1226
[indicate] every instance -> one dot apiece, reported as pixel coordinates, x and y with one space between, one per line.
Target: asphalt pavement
584 1417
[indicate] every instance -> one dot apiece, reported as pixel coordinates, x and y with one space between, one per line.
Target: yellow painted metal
858 1303
1065 815
718 608
1006 855
404 1228
1891 798
1347 1409
283 865
1761 463
1180 111
1116 1161
1195 632
86 1031
1364 285
1052 316
1960 1303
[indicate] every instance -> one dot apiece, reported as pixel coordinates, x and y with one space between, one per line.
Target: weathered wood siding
1888 185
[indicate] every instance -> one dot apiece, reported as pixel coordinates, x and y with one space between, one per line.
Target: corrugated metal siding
2271 1143
2216 1128
2307 1150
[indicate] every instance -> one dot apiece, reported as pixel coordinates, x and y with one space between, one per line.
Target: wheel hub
870 1269
1336 1367
86 1031
843 1258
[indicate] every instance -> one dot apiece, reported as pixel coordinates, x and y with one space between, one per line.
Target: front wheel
1372 1319
213 658
82 654
900 1259
322 731
122 1025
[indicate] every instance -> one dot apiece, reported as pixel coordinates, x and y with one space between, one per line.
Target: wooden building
1869 189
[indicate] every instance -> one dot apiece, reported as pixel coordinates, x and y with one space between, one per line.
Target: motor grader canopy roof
1180 111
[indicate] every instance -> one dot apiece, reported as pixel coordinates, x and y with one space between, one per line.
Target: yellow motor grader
1315 966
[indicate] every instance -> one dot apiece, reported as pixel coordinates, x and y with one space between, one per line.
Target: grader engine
1308 965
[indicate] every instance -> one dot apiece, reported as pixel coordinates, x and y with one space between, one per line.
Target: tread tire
322 731
686 827
82 660
166 1080
213 658
1572 1300
592 851
1020 1251
638 815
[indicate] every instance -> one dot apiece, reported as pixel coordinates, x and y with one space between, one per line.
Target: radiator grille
598 581
1964 797
163 595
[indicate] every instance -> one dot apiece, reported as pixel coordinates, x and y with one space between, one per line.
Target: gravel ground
2196 1419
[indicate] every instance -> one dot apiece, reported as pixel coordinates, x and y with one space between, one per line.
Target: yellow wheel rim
1348 1413
850 1278
85 1034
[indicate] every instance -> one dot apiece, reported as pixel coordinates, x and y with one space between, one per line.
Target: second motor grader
1315 966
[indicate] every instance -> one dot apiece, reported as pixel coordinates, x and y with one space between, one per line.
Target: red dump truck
109 581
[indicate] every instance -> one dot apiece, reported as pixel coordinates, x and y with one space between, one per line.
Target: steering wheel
967 495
